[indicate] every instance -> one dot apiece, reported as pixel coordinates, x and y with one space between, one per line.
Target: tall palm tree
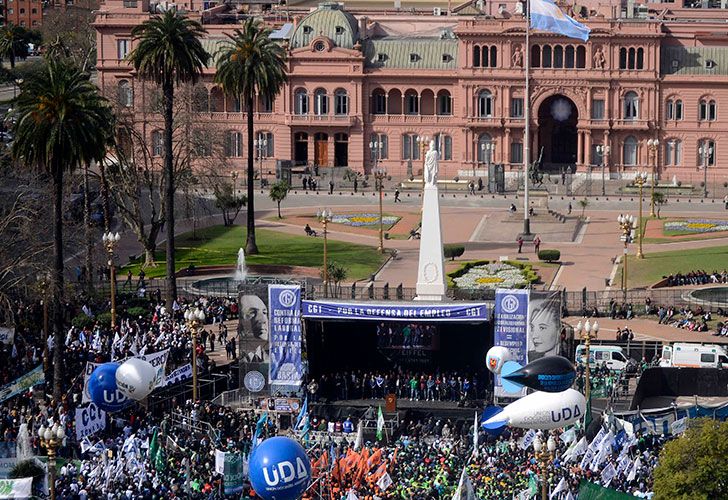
13 43
169 52
249 63
61 121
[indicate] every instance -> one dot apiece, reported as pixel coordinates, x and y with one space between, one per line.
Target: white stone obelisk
431 283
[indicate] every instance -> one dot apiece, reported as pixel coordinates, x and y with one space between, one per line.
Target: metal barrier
185 423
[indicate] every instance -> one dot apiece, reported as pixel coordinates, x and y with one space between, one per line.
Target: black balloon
548 374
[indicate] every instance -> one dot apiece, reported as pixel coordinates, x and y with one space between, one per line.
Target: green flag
532 485
156 453
380 424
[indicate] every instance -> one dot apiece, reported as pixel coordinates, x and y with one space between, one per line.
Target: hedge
549 255
452 251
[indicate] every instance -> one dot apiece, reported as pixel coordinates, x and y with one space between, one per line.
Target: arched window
485 104
444 103
640 58
301 102
217 100
631 106
622 58
200 99
493 56
157 143
536 56
484 57
476 56
706 152
412 102
485 148
233 144
631 58
265 104
341 102
629 151
320 102
569 57
581 57
379 146
264 144
379 102
546 56
673 152
125 94
558 56
708 110
673 109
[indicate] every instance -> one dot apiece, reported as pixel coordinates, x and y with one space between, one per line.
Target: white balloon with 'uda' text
136 378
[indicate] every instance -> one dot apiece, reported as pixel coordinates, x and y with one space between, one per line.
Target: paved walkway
647 329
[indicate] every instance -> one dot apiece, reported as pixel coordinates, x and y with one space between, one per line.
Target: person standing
396 196
725 202
537 244
331 187
356 184
519 240
569 209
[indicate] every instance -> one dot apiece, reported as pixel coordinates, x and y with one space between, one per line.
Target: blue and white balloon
279 469
497 355
136 378
103 390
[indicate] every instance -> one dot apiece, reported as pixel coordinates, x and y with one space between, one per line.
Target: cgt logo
285 473
565 414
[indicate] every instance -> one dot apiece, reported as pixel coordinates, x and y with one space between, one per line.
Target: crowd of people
405 384
699 277
405 335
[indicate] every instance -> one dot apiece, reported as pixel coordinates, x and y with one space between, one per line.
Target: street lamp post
18 84
603 151
587 332
640 179
379 175
705 152
195 319
324 216
627 225
110 240
544 455
44 282
52 438
652 145
234 177
260 146
487 149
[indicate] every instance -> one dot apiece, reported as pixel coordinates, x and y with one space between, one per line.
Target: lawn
651 269
691 232
219 245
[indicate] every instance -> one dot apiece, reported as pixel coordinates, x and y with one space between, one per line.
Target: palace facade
369 83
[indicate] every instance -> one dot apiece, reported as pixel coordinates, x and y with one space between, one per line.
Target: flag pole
527 129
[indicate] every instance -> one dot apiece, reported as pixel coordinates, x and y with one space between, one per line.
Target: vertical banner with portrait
253 351
544 324
286 337
511 329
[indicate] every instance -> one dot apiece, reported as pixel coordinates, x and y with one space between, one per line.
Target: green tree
583 204
336 274
169 52
278 193
60 125
694 466
228 202
13 43
659 199
251 63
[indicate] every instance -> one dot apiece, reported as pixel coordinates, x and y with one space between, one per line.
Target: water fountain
241 272
24 447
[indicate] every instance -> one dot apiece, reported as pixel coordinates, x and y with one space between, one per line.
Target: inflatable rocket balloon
541 410
548 374
497 355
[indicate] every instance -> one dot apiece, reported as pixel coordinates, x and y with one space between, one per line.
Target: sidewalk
647 329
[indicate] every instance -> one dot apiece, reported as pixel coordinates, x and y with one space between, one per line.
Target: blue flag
547 16
259 428
301 414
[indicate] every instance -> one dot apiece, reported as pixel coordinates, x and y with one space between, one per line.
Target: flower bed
491 275
695 226
364 220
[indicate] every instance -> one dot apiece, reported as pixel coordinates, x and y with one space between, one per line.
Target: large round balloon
279 469
497 355
548 374
103 390
136 378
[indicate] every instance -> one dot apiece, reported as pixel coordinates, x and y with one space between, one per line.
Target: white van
694 356
598 354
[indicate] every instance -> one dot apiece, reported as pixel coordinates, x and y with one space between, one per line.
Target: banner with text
284 303
22 383
511 327
468 312
16 488
89 420
179 375
234 474
7 335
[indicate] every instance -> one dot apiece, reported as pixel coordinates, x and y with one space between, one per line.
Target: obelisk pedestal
431 283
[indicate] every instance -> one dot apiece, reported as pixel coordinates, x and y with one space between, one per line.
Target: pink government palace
371 81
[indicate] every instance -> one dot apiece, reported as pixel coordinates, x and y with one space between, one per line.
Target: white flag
559 488
578 450
359 436
568 436
16 488
608 474
527 439
465 490
384 482
351 495
633 471
220 462
588 457
594 445
475 433
679 426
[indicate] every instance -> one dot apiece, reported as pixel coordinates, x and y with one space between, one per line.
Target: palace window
201 144
123 46
265 144
674 109
126 95
485 104
706 152
320 102
629 151
301 102
517 152
485 56
341 102
379 103
631 106
673 152
266 104
631 58
707 110
444 103
485 148
443 144
233 144
412 103
157 143
516 107
410 147
382 150
597 109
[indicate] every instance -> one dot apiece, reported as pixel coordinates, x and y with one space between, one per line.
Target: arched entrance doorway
321 149
301 148
557 133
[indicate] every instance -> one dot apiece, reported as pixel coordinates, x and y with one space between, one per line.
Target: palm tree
169 52
251 63
61 121
13 43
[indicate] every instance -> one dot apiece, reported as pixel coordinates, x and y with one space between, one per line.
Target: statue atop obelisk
430 272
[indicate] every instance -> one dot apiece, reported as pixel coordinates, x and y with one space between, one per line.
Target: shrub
136 312
549 255
452 251
104 319
82 321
